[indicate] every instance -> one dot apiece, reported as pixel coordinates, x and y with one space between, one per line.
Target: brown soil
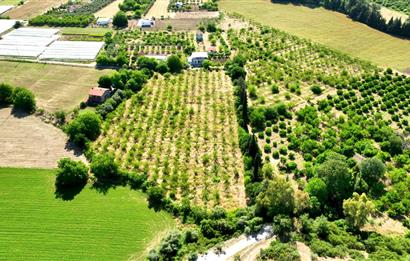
26 141
33 8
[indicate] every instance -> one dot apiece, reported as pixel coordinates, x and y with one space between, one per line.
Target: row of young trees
362 11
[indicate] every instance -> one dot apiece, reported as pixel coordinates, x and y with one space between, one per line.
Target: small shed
143 23
98 95
199 37
196 58
179 5
102 21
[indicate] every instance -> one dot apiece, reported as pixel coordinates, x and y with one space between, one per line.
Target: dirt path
29 142
159 9
110 10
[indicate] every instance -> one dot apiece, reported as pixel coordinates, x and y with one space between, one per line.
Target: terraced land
329 28
182 132
94 226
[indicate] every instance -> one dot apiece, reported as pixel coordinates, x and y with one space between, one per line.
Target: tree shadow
104 185
68 193
19 114
70 146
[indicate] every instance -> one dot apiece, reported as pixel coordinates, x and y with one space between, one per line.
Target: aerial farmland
209 130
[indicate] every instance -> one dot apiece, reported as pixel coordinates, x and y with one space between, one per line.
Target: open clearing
55 86
94 226
29 142
110 10
329 28
33 8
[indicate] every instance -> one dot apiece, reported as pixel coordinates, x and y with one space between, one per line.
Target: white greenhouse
72 50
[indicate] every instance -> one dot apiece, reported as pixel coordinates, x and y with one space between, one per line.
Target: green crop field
93 226
9 2
329 28
55 86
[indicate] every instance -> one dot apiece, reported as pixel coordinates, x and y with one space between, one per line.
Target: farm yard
183 134
26 141
62 93
33 8
93 226
326 27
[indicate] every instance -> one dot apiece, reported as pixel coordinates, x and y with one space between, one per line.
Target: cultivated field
29 142
389 13
94 226
55 86
9 2
183 132
327 27
159 9
110 10
33 8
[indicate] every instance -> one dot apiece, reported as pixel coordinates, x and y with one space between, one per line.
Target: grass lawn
330 28
9 2
85 31
37 226
55 86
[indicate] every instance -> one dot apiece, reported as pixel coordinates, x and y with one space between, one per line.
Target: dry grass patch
28 142
33 8
56 87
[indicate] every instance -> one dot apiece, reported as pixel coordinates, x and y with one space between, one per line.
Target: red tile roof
97 91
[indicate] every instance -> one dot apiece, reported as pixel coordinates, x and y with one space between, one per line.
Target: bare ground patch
26 141
33 8
110 10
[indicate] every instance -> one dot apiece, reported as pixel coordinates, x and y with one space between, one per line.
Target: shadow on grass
70 146
68 193
104 185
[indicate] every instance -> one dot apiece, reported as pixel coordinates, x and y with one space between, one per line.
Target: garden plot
72 50
5 8
6 24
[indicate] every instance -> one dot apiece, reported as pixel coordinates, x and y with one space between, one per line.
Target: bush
6 94
85 127
280 251
275 89
24 100
174 64
316 89
120 20
103 166
71 173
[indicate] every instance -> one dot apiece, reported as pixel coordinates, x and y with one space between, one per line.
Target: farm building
5 8
104 21
143 23
199 37
196 58
212 49
98 95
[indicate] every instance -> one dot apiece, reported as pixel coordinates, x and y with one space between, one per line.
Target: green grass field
329 28
37 226
9 2
85 31
55 86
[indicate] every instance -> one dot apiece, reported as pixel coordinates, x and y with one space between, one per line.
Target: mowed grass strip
330 28
37 226
56 87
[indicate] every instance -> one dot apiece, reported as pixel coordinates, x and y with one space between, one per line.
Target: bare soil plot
32 8
177 24
26 141
159 9
110 10
196 15
56 87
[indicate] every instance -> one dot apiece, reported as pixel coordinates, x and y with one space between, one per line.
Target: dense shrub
120 20
85 127
24 100
103 166
6 94
71 173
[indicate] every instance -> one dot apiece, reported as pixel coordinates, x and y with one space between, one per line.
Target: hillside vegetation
93 226
327 27
398 5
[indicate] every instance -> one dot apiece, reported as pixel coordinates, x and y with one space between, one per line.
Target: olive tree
71 173
357 209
